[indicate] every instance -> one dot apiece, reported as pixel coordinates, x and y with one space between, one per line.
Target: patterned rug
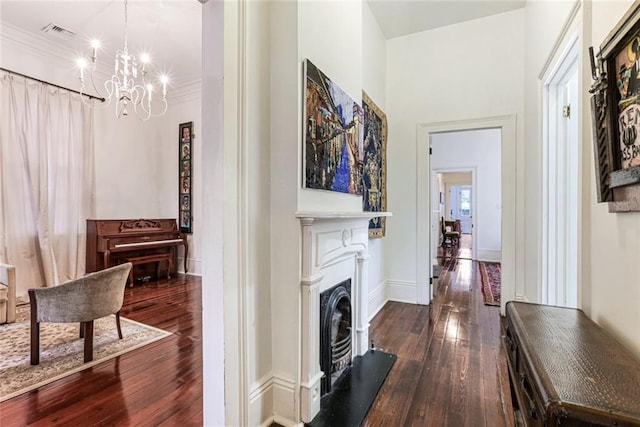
490 274
61 349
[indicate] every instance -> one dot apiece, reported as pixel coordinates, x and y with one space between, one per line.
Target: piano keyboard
153 242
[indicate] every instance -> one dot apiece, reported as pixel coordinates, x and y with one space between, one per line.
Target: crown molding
54 53
35 44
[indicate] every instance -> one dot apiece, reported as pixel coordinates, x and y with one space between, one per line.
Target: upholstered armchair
81 300
7 293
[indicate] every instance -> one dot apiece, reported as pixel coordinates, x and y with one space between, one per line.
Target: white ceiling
400 17
170 30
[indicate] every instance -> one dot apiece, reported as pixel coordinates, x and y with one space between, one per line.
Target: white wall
257 251
137 168
466 71
478 150
220 376
329 34
285 84
136 162
36 57
614 298
182 109
374 57
610 242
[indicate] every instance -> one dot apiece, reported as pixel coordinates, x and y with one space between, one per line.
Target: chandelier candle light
124 87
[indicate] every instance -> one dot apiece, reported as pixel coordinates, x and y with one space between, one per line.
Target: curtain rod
52 84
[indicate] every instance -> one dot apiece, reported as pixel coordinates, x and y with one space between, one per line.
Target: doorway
453 203
561 175
505 191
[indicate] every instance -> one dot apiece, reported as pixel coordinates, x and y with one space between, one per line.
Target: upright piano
112 241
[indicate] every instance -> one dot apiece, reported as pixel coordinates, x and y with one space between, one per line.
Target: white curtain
47 183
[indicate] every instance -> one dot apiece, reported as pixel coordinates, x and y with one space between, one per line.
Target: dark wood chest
566 370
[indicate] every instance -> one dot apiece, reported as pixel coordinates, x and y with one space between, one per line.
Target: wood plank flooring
159 384
451 369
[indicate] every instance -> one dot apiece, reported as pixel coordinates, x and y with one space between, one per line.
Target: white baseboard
286 422
261 401
521 298
402 291
377 299
195 266
489 255
284 400
269 399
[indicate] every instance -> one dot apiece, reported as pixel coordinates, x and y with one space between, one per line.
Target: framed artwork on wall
615 110
185 138
333 151
374 174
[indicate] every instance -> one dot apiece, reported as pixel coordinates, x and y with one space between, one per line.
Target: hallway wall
455 73
613 297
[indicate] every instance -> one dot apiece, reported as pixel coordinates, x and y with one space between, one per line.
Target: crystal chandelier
128 86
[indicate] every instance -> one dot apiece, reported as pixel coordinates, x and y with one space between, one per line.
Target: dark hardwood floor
159 384
451 369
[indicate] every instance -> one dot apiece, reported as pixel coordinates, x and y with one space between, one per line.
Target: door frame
507 124
474 188
565 57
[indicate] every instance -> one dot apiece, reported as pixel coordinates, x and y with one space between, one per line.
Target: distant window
465 202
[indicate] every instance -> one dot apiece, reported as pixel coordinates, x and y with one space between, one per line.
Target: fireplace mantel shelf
341 215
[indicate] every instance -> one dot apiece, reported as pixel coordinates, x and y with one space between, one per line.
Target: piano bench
147 259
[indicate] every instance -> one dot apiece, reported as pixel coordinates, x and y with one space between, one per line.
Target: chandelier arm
95 87
148 110
139 105
150 114
164 109
107 99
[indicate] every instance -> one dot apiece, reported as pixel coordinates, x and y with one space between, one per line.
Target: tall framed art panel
374 174
185 202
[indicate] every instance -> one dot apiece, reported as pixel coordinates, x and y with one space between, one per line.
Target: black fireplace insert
335 333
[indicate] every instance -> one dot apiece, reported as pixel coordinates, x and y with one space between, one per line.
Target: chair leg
88 341
35 343
35 329
118 325
81 330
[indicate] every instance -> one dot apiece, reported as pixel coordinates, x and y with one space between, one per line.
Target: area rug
490 274
61 349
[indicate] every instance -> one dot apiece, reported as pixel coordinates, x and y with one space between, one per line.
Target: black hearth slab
355 391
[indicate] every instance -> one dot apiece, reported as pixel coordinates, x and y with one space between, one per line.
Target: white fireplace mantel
334 248
340 215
